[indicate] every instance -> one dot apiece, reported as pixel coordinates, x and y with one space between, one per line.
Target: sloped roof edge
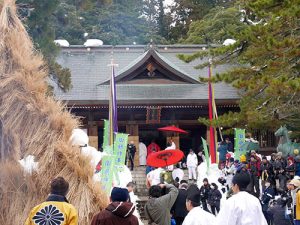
159 58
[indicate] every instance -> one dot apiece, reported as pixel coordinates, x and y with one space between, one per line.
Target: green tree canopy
266 56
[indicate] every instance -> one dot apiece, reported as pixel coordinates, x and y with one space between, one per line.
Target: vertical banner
239 139
105 134
120 148
212 130
113 110
204 143
108 166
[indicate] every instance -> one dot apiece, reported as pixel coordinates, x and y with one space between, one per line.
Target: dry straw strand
32 123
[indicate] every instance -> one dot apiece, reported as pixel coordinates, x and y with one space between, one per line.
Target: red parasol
164 158
173 129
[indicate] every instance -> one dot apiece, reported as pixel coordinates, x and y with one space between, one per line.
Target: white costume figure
198 216
142 154
154 176
192 163
242 208
171 147
178 173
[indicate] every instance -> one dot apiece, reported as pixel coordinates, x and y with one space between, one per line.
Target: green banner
105 134
120 148
108 167
239 139
206 153
108 150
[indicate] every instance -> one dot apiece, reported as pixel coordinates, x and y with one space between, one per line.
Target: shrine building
154 89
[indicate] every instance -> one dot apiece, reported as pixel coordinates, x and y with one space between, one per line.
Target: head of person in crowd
59 186
183 186
264 160
240 182
252 158
293 184
191 151
183 182
193 197
227 140
223 143
231 160
267 183
222 166
228 156
243 158
290 160
130 186
253 152
155 191
279 156
273 156
205 181
177 166
214 186
119 195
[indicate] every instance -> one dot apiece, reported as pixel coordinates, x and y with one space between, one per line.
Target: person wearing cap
290 198
179 209
241 208
158 207
196 215
204 192
119 211
56 209
268 194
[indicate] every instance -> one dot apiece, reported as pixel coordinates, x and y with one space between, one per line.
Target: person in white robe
192 163
196 215
142 154
242 208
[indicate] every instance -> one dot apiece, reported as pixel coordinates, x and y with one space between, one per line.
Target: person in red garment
153 147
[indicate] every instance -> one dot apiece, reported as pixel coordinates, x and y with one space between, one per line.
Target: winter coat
222 152
131 149
204 192
58 208
277 212
116 213
192 160
266 170
297 169
298 205
254 168
157 210
266 197
214 197
241 209
179 207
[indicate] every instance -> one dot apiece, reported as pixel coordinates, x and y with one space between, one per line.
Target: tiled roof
89 68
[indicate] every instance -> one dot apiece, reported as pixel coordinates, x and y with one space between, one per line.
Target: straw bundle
32 123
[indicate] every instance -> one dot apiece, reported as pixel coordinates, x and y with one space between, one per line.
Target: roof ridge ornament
151 46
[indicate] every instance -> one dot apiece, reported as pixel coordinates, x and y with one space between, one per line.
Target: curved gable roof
164 62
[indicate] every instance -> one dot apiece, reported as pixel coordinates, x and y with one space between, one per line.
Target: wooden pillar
93 134
133 131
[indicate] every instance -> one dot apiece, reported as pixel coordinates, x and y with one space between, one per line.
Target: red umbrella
164 158
173 129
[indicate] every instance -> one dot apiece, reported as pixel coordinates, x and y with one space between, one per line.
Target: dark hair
242 179
59 186
130 184
215 186
155 191
195 200
183 182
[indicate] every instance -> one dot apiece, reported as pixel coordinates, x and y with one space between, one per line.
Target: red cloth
153 147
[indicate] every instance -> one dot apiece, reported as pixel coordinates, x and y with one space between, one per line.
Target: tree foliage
266 56
218 25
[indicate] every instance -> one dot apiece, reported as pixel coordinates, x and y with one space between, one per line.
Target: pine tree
38 15
266 56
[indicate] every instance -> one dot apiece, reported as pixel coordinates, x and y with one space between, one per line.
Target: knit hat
243 158
290 158
119 194
231 160
59 186
242 180
264 157
295 182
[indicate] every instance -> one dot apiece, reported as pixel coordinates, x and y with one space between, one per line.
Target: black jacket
179 207
204 192
214 197
266 197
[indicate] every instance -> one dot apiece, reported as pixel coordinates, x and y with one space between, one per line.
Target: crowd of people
252 190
